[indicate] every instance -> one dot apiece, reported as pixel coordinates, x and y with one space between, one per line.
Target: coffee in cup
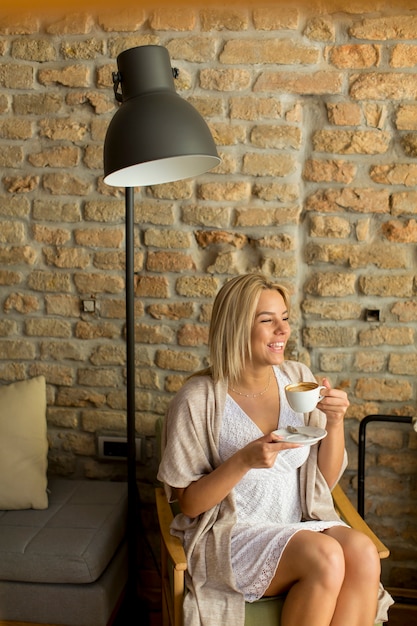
304 396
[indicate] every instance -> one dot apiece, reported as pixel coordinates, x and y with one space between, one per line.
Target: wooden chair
265 611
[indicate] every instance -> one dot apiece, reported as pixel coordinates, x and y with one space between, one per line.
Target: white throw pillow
23 445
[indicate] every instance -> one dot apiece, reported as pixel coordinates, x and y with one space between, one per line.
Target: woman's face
271 330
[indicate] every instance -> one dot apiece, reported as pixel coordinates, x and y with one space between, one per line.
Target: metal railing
361 451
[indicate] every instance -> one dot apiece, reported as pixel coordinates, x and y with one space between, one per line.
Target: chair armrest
349 514
172 544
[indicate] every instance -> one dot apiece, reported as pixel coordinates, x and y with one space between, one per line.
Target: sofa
63 554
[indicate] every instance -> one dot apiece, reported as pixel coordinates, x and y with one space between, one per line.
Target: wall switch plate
114 447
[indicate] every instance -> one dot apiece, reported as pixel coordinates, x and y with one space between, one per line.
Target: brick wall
315 118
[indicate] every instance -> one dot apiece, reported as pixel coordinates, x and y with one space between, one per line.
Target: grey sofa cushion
90 604
72 541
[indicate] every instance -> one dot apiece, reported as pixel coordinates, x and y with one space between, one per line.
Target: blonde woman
257 517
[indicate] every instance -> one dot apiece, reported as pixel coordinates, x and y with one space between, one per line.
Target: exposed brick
169 261
21 303
72 23
167 238
152 286
257 164
386 27
277 51
406 311
62 129
332 310
275 18
369 361
40 50
197 215
177 360
336 170
355 56
16 128
385 335
320 28
351 142
23 23
251 108
251 217
229 191
400 232
284 192
48 328
360 200
122 19
192 335
401 364
224 19
190 286
88 49
73 185
379 86
395 174
376 115
177 190
387 285
406 117
63 156
14 76
327 337
222 79
344 113
93 283
329 226
331 284
314 83
379 254
11 156
278 137
226 135
173 311
101 330
36 104
175 19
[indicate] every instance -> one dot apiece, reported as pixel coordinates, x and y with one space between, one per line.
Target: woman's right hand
262 452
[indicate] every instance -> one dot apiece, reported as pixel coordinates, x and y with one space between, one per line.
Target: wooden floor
402 615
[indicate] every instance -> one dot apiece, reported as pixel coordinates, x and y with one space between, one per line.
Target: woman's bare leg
357 601
331 579
312 571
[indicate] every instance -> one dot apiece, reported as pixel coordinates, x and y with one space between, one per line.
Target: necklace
253 395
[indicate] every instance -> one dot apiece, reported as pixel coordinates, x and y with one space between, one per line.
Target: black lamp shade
155 136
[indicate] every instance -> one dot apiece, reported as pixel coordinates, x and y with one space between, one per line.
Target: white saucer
307 435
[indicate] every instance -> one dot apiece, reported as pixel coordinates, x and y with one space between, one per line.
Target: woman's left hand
331 448
334 404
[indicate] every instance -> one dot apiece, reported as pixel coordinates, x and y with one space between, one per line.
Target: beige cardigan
196 412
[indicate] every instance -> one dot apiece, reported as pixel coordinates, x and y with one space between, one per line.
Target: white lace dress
267 500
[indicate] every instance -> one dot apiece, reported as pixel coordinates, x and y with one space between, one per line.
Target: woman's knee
330 562
362 558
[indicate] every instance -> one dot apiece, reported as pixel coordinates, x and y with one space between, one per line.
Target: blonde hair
231 323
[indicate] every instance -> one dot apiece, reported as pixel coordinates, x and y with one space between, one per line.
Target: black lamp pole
130 393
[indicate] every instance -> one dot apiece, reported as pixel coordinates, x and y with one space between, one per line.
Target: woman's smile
277 346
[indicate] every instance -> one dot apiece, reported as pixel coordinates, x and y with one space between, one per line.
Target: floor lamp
154 137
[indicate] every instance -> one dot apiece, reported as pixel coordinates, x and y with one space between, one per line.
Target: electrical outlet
114 447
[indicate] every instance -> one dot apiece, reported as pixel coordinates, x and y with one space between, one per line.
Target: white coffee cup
304 396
